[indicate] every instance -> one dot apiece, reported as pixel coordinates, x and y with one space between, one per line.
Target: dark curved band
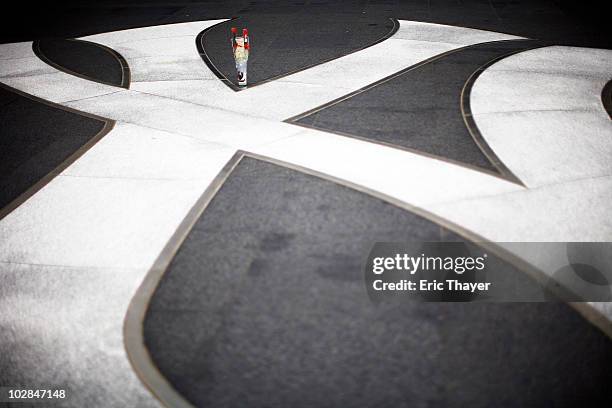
504 172
108 126
125 69
606 98
470 123
207 60
229 83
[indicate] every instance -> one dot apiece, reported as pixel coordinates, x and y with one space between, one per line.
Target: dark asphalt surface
83 58
606 98
420 108
283 44
35 138
562 21
265 306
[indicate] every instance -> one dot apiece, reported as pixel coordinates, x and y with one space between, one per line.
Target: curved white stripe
542 114
15 50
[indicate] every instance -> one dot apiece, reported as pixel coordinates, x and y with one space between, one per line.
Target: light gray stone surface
575 61
62 326
15 50
511 91
566 212
542 114
97 222
133 152
548 147
449 34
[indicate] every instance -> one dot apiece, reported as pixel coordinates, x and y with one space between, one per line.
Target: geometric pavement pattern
176 126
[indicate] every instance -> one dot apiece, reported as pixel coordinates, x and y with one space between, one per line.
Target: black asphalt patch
606 98
85 59
568 22
264 305
36 141
418 108
284 44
